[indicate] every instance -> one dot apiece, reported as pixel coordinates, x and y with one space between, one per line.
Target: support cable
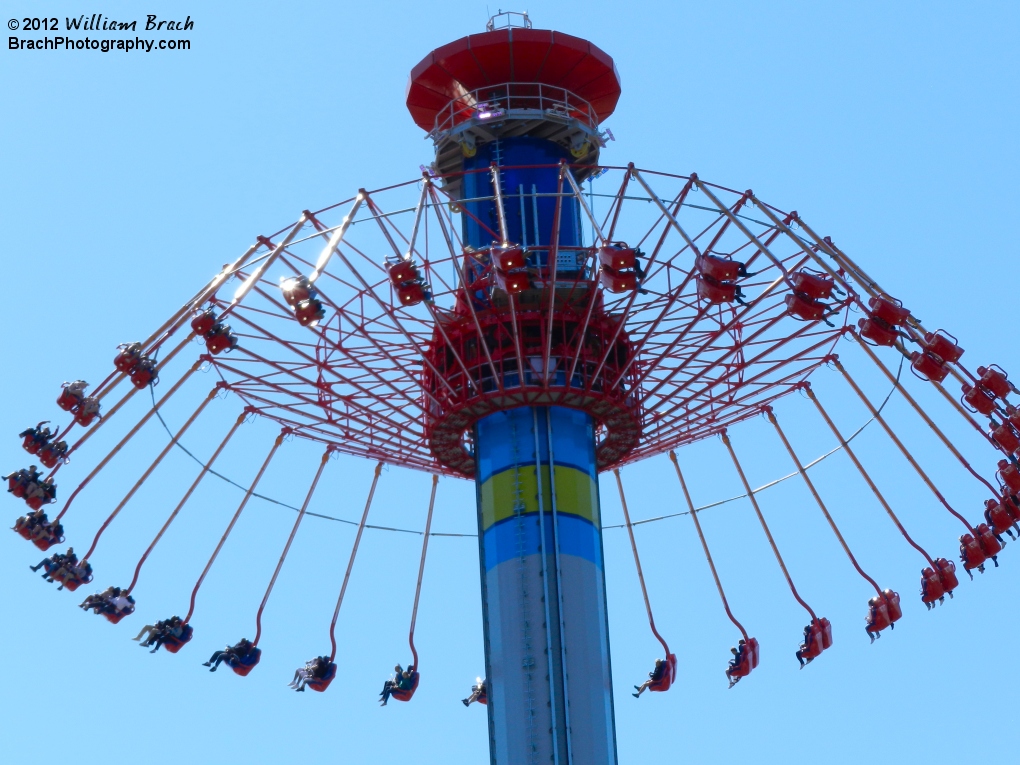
864 474
818 499
230 527
350 563
704 545
421 570
286 548
902 448
187 495
765 527
148 472
637 562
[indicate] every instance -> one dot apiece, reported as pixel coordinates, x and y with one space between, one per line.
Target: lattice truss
355 379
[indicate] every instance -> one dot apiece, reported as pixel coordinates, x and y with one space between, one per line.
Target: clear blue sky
129 178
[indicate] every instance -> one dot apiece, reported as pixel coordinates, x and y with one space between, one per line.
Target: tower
508 110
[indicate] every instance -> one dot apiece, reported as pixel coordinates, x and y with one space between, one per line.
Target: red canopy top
512 55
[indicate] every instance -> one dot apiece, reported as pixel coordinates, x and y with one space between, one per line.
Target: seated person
55 563
314 670
232 653
653 677
735 662
403 679
31 522
478 693
40 434
802 652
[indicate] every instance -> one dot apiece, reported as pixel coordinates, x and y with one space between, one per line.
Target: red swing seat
977 399
114 617
715 291
998 516
928 366
971 553
203 322
1009 474
994 380
410 294
943 345
1005 437
748 660
174 644
49 456
242 666
665 682
320 684
931 586
401 272
719 269
878 332
889 310
512 283
801 306
989 544
67 400
296 290
813 284
819 639
618 281
44 541
30 445
16 487
617 256
947 575
128 358
309 311
405 694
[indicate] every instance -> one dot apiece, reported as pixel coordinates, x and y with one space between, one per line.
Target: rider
403 681
803 650
232 652
653 677
39 434
735 662
478 692
316 669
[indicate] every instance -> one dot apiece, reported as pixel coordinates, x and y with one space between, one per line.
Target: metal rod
286 547
187 495
637 562
233 521
885 426
350 563
765 526
421 570
818 499
704 545
864 474
166 450
924 415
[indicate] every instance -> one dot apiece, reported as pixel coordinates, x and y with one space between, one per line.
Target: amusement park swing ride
460 324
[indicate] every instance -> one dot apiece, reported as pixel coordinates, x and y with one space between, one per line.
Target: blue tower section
539 523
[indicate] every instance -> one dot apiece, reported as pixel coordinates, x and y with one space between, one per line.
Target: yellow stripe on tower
576 494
